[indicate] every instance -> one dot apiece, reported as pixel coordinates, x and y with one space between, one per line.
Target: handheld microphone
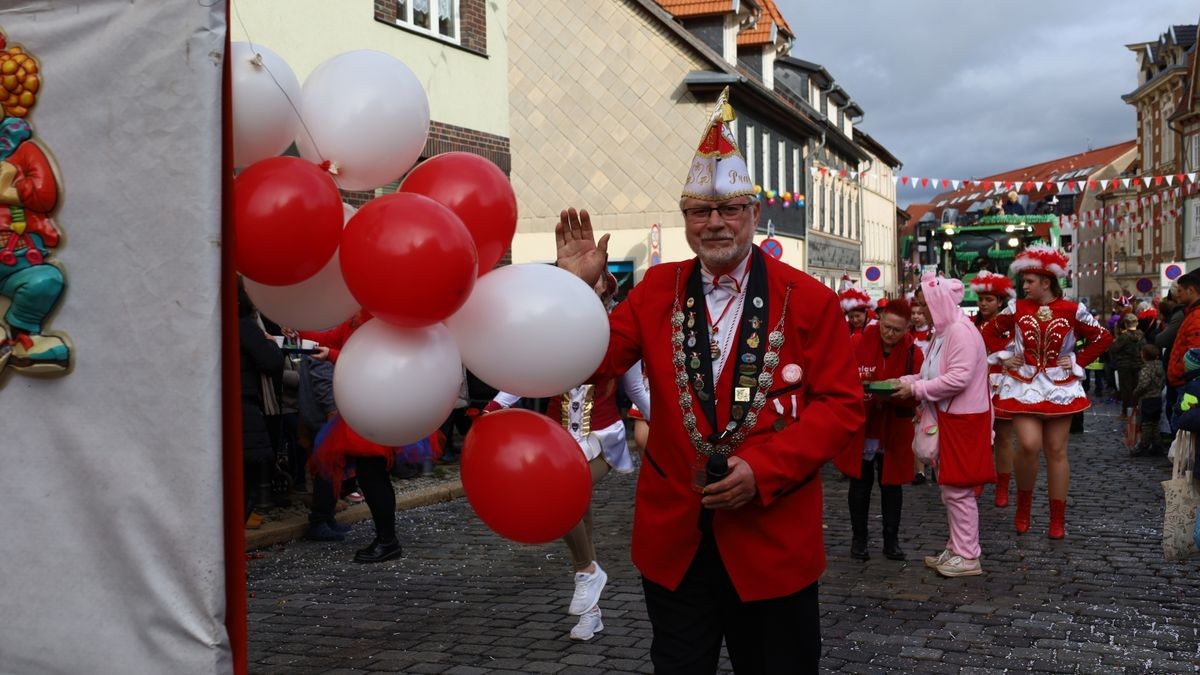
716 469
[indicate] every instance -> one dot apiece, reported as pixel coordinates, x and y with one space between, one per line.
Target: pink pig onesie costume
954 377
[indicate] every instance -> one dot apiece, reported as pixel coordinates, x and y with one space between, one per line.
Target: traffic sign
772 247
1144 285
1168 273
872 273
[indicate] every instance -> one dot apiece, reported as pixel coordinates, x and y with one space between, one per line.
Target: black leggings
376 486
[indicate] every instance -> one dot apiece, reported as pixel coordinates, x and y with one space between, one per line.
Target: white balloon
395 386
531 329
320 301
366 112
264 121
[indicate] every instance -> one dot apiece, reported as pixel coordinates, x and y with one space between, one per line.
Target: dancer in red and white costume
995 291
1041 388
856 304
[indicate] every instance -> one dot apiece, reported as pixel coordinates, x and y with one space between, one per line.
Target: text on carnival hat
718 171
855 298
991 283
1040 259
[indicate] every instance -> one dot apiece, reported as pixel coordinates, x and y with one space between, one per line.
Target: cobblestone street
464 601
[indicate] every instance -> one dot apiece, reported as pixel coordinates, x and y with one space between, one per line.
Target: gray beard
720 259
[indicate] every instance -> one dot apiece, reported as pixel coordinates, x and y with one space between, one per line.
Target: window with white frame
1195 221
750 153
1168 136
797 170
781 164
436 17
1193 146
766 161
1147 141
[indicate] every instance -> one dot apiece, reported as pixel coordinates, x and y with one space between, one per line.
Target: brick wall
449 138
473 25
472 22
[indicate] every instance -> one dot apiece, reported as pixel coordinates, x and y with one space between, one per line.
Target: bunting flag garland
997 186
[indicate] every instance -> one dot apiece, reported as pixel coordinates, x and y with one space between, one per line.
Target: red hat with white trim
855 298
990 283
1040 259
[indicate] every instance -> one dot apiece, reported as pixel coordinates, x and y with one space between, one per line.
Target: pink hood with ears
956 362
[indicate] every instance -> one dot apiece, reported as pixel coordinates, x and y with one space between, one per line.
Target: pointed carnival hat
854 298
718 170
990 283
1040 259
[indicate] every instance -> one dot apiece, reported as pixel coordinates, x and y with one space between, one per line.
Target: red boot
1058 519
1024 507
1002 489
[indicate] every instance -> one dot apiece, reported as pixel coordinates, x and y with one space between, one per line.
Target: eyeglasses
884 328
726 211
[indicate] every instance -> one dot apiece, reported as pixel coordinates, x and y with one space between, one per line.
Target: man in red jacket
1188 292
749 363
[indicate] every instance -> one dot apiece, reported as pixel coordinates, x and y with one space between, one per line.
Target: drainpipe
811 182
1181 154
862 231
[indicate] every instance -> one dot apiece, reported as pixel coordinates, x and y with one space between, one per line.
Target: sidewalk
284 524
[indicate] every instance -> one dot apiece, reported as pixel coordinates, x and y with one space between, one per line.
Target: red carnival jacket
773 546
891 421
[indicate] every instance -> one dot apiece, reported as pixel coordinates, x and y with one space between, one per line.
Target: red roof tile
1046 172
761 33
915 211
685 8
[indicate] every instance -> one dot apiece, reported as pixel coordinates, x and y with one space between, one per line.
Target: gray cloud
966 89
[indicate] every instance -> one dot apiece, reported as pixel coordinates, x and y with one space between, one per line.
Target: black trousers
891 501
377 490
776 636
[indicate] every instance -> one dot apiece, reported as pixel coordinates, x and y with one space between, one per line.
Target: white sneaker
589 624
958 566
587 590
932 561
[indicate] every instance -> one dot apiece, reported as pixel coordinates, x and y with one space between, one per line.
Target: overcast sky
961 89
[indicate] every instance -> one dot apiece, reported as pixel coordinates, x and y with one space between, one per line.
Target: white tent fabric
111 555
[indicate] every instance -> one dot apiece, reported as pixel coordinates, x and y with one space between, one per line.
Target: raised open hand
578 252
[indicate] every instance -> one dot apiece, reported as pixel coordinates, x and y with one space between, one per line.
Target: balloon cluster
786 199
419 262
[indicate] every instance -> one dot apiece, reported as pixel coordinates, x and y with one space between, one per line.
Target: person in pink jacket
954 420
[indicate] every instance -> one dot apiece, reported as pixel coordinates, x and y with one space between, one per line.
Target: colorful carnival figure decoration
995 291
855 305
1041 388
31 281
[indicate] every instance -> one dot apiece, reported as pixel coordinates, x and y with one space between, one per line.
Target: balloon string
258 60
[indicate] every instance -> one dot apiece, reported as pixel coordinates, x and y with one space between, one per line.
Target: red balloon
478 192
288 218
408 260
525 476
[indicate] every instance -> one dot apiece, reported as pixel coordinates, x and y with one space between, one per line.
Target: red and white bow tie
725 282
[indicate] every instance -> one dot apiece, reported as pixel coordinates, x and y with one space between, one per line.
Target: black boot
892 499
859 498
379 551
